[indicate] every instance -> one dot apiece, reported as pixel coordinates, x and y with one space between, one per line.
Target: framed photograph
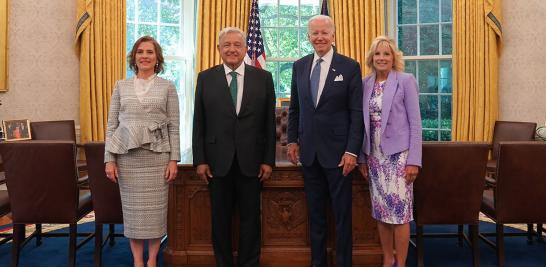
15 130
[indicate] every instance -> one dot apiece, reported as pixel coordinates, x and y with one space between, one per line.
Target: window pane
173 71
445 135
285 79
428 11
428 76
288 42
273 67
407 40
411 66
432 36
128 71
445 112
445 76
270 42
147 10
446 39
429 40
170 11
305 46
407 12
130 36
170 40
268 13
429 111
288 13
285 37
446 10
307 10
429 135
130 10
150 30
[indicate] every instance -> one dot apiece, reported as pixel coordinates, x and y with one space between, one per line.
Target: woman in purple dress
391 155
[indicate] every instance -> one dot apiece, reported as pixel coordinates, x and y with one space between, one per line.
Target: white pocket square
338 78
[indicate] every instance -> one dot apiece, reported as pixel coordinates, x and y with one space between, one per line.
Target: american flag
255 55
324 8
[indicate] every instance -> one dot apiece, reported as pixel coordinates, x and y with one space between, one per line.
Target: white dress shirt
324 68
240 83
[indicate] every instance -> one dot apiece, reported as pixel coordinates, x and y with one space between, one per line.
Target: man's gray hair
323 17
227 30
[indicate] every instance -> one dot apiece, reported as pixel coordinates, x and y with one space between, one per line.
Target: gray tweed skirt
144 193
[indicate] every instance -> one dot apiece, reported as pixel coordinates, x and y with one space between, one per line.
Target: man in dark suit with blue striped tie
325 133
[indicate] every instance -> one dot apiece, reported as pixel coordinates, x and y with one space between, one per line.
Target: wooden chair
518 196
53 130
42 186
448 190
509 131
281 125
4 210
58 130
106 198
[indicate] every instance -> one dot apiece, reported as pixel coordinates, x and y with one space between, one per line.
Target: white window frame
185 58
391 15
277 40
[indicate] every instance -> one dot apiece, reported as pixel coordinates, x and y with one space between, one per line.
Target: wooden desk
285 230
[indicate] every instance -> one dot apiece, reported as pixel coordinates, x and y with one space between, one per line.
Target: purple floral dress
392 198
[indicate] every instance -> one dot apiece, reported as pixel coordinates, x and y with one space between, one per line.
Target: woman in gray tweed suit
142 147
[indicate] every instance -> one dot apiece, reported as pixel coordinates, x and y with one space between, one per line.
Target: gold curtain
100 41
212 16
3 45
358 22
477 35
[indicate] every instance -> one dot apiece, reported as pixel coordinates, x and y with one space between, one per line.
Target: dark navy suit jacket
335 126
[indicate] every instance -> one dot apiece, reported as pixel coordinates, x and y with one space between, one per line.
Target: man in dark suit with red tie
234 145
325 133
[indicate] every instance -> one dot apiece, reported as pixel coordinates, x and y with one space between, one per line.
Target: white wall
522 92
43 76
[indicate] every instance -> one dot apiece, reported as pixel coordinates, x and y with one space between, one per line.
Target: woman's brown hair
159 67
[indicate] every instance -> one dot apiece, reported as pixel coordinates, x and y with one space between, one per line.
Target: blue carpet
438 251
54 251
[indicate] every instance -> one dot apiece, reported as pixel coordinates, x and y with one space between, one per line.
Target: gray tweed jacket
152 124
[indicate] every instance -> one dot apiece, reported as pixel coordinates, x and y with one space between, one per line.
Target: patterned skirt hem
391 221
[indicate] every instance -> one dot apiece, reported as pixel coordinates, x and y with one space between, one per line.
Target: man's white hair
322 17
227 30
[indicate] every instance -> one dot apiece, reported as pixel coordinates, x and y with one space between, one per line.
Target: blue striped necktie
315 80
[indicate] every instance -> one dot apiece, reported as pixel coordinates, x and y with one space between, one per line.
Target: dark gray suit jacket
219 133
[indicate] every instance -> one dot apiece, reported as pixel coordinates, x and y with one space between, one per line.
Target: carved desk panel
285 231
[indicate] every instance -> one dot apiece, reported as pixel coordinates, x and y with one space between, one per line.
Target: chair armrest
490 182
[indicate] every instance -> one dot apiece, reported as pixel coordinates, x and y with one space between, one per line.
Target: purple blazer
400 117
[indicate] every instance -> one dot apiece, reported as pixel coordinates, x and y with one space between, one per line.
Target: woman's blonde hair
398 62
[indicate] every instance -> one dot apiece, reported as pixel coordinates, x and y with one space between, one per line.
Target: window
284 27
424 33
171 23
